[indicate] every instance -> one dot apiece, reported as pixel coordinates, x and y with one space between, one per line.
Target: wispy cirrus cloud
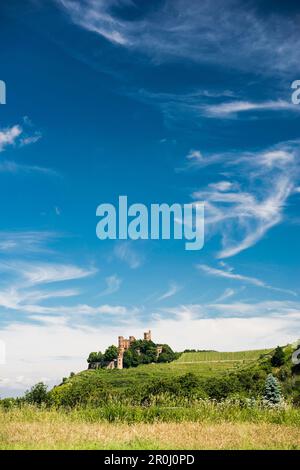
113 284
173 289
26 241
231 275
34 273
126 253
31 286
232 33
232 108
238 309
244 216
228 292
17 137
10 166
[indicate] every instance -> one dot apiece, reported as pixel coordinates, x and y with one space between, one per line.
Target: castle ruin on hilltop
124 344
116 359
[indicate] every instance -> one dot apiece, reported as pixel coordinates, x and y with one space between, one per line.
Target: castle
124 344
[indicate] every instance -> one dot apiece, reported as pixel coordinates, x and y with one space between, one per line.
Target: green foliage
272 393
111 353
174 381
37 395
95 357
7 403
83 391
278 357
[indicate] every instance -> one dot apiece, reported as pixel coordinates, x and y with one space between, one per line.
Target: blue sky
162 101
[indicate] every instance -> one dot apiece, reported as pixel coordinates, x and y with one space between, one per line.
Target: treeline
140 352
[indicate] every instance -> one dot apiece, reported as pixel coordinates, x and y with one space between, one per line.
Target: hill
202 364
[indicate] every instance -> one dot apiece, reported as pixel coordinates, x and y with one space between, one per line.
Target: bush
84 390
37 394
278 358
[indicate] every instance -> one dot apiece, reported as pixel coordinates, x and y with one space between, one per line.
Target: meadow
205 426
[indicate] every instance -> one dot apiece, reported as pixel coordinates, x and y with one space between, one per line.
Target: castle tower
120 359
131 340
147 336
121 344
121 341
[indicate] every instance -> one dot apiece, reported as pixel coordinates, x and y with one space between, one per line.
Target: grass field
30 428
212 356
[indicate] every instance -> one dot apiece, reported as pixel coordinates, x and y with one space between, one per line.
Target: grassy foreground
208 427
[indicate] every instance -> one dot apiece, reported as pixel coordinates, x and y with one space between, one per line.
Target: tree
189 382
278 358
167 354
111 353
95 357
272 390
37 394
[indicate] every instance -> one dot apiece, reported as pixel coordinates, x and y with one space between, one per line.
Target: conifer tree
272 391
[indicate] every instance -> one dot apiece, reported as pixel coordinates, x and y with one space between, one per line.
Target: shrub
278 358
37 394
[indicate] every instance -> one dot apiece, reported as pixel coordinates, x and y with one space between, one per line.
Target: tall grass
205 411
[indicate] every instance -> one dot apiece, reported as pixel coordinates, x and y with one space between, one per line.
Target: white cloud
17 137
231 33
245 216
226 334
277 158
16 134
30 241
9 136
170 292
10 166
113 284
230 109
217 272
222 186
79 309
43 273
53 348
228 292
31 139
125 252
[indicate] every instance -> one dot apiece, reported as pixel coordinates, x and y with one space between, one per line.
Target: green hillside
211 356
201 364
